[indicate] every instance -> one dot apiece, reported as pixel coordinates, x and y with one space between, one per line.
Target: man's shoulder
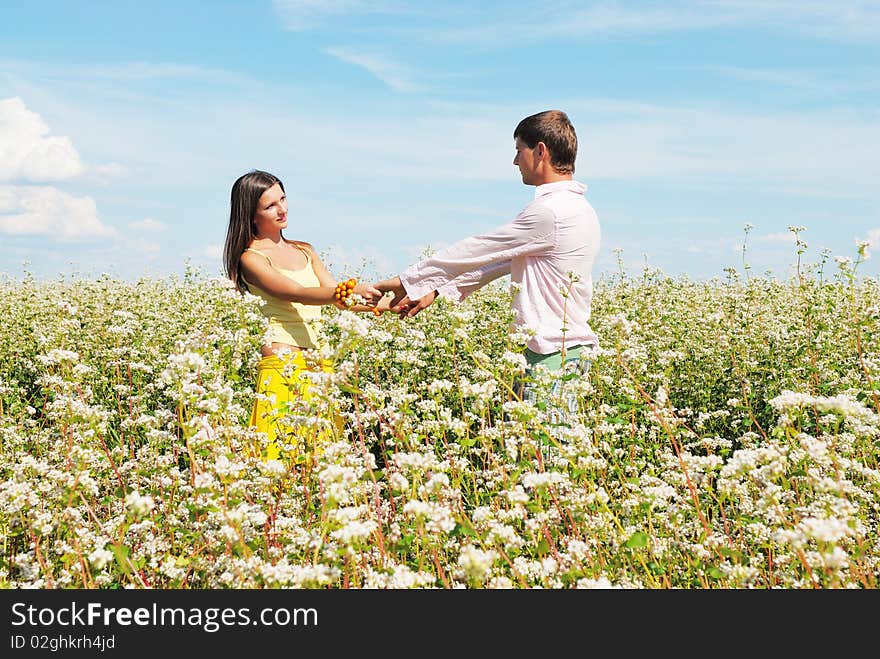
561 186
561 208
556 197
540 208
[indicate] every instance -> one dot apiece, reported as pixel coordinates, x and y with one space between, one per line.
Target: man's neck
554 177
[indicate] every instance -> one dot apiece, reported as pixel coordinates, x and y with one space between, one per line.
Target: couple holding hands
548 250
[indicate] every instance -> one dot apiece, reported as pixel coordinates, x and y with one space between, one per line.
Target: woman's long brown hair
246 193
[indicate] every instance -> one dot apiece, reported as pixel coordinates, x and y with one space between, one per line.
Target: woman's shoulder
302 244
307 248
252 253
254 257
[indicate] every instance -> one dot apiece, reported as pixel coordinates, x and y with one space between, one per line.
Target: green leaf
460 530
122 552
637 540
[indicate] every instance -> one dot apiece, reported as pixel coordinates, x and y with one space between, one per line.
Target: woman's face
271 214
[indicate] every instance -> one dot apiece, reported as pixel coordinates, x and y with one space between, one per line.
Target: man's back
552 281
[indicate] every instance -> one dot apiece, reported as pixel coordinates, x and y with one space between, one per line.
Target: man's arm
407 308
466 283
395 287
475 260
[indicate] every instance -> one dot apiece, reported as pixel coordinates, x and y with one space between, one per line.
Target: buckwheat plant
726 436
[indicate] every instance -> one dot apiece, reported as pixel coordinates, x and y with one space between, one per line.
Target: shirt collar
559 186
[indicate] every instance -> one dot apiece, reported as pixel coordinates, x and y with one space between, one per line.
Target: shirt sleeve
466 283
477 259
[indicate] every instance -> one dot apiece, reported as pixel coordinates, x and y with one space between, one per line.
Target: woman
294 284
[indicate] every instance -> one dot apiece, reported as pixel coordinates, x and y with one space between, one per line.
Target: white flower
437 518
355 531
100 557
398 482
515 359
476 563
137 504
59 356
826 530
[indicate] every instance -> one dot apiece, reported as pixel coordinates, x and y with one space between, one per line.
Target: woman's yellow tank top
291 322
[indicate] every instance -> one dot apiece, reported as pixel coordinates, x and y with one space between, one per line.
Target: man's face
526 161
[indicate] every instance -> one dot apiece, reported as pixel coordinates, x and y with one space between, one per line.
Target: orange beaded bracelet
344 289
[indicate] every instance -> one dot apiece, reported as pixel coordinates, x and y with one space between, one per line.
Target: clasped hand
400 302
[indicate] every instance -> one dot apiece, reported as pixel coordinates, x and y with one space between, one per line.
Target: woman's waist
298 335
288 313
293 325
278 349
279 355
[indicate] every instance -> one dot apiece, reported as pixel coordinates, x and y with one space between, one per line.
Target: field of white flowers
727 437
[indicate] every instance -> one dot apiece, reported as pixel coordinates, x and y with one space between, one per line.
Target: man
548 250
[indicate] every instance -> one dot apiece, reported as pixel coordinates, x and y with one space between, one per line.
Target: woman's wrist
344 290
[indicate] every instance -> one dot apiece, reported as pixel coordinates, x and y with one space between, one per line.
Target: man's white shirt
548 250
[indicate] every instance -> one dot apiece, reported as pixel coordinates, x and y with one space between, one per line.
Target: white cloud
30 155
843 20
110 170
44 210
27 152
814 150
145 249
779 236
825 82
367 261
300 15
857 20
213 251
395 75
139 71
148 224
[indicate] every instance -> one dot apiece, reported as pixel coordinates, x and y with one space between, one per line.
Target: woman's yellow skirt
283 411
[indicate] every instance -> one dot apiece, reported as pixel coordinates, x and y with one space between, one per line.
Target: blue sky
123 126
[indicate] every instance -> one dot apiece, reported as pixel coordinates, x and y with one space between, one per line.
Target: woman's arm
327 279
257 270
318 266
381 307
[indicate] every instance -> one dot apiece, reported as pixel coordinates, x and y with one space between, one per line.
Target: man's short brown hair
553 128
